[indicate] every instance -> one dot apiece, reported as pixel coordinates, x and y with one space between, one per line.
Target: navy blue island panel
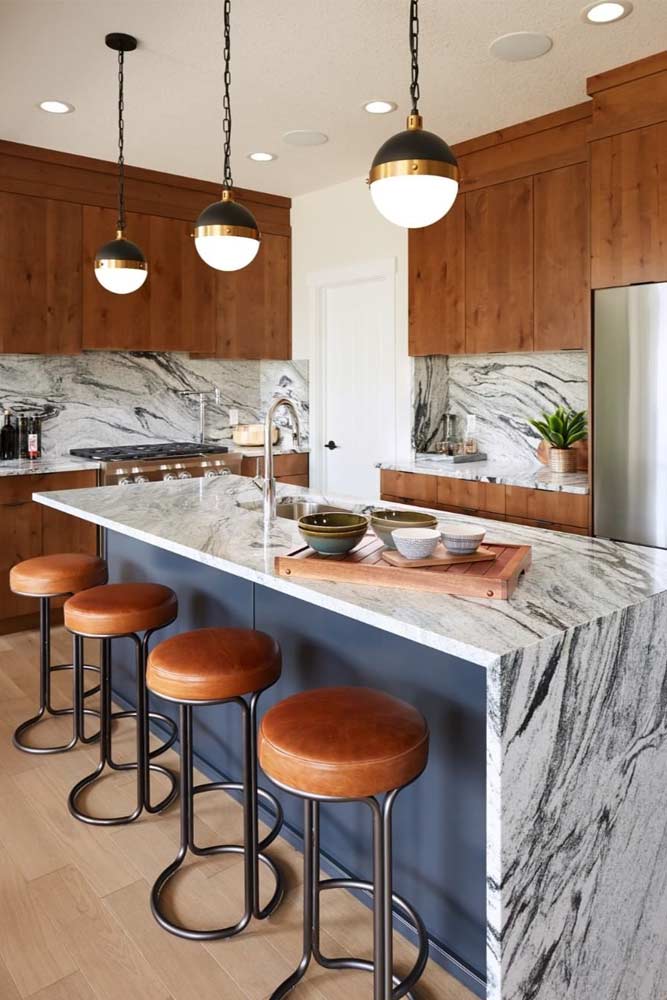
440 821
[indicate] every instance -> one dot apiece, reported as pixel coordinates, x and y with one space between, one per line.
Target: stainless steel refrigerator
630 414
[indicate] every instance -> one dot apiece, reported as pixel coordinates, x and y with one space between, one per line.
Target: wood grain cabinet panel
547 506
629 207
499 268
562 259
253 317
409 486
40 275
547 525
471 495
436 257
284 466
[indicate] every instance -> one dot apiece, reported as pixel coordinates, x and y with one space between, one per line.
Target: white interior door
353 398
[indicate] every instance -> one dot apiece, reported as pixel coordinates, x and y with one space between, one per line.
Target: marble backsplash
115 398
503 390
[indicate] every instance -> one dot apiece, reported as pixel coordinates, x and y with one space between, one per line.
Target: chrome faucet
203 396
269 481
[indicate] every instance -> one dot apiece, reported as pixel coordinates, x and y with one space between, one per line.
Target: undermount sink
293 510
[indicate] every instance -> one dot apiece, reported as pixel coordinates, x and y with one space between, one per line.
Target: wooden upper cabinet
562 259
629 207
114 322
40 275
499 268
437 285
253 305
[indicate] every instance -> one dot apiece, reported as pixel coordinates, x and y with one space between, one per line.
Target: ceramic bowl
385 522
333 543
333 522
416 543
462 539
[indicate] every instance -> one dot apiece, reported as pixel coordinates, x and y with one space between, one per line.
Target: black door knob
331 445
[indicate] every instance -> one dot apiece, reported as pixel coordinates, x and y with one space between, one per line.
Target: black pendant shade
415 144
121 249
228 215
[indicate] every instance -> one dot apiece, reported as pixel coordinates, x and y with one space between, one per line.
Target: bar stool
111 612
339 745
214 666
46 577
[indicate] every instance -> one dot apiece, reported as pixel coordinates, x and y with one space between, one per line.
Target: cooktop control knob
168 477
185 475
211 474
126 481
141 479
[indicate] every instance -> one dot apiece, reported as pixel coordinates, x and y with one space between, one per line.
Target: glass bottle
34 437
22 435
8 438
470 436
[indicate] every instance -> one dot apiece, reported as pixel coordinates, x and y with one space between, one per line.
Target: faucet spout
269 490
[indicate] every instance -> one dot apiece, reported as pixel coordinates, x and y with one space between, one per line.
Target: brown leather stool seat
213 664
64 573
343 742
120 608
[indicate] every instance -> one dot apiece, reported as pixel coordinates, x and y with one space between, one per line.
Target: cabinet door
629 207
562 259
40 275
182 292
499 268
412 487
114 322
547 506
436 289
253 305
20 538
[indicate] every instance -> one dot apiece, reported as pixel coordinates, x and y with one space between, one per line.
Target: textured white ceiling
296 64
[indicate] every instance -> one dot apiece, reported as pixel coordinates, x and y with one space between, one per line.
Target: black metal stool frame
142 765
252 849
386 986
46 707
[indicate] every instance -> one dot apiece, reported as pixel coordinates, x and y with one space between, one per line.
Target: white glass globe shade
414 201
227 253
121 280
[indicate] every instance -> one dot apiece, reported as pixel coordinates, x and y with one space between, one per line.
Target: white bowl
462 539
416 543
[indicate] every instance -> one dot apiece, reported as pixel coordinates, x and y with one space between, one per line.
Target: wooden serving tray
365 564
441 557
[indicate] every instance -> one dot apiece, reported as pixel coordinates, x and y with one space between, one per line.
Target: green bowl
384 522
337 544
333 522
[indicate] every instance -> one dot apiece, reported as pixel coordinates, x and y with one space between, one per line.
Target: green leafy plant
562 428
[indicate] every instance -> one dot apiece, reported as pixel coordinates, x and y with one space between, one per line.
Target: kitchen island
535 843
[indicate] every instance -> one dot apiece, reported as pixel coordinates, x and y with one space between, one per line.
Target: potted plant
562 429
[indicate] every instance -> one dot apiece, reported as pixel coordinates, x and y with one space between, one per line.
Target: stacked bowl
334 533
385 522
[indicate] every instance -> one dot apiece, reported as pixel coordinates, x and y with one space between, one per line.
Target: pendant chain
414 52
226 105
121 143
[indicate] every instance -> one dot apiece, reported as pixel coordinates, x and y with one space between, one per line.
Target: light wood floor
75 922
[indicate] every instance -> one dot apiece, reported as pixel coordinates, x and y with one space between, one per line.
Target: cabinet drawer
472 494
548 525
283 465
545 505
294 480
410 486
13 488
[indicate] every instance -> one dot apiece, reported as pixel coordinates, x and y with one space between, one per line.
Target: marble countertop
573 580
40 466
534 476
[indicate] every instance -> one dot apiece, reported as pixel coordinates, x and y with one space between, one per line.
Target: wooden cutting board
365 564
441 557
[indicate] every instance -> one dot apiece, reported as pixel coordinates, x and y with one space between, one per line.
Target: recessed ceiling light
305 137
259 157
380 107
56 107
605 13
520 46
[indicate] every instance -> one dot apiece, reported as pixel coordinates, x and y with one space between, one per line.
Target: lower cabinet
288 468
556 511
27 529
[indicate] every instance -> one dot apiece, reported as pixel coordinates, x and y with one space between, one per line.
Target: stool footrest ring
119 820
162 748
47 711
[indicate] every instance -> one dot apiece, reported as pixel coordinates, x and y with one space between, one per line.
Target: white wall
336 227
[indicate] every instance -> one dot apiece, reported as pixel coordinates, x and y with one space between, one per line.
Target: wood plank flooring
75 922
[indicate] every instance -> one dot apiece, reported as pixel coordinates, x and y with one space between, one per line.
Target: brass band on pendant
247 231
413 168
137 265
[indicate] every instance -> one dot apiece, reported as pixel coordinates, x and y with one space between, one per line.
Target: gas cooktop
170 449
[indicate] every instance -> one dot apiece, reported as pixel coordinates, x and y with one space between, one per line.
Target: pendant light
120 266
226 233
414 178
